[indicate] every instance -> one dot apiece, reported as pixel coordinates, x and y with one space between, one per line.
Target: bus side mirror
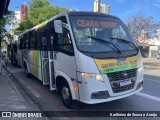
57 26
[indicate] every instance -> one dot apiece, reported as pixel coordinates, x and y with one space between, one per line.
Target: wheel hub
65 94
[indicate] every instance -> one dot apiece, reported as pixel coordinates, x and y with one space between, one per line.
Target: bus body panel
32 60
66 64
19 58
90 86
36 64
95 101
85 63
71 66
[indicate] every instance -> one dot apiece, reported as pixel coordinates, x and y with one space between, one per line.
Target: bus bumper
92 91
94 101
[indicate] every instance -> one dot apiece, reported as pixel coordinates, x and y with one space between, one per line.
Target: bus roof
70 13
86 13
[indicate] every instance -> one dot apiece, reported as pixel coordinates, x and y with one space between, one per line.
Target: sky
124 9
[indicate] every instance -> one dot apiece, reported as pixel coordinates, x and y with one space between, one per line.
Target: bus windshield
108 29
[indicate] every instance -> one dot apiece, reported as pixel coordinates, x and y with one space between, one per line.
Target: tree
25 25
4 35
6 20
142 28
40 10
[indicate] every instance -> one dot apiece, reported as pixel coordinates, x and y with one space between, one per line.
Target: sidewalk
151 61
12 97
151 66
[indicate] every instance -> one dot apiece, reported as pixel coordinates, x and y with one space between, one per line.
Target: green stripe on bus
116 69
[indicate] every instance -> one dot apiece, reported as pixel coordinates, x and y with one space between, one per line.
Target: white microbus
85 56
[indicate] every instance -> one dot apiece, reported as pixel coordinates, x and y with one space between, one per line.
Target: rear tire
66 96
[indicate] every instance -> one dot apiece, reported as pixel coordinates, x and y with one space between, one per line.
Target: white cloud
156 3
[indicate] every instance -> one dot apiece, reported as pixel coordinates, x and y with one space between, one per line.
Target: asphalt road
147 100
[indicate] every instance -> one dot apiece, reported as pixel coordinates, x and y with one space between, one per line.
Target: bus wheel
66 96
26 72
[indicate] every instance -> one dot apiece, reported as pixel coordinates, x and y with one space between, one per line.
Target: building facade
99 7
16 20
19 16
23 12
105 8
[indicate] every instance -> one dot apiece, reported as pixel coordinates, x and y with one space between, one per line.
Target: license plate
125 82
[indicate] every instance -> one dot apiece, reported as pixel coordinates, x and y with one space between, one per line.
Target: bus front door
45 62
51 60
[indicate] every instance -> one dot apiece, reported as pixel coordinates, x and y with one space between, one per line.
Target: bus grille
116 77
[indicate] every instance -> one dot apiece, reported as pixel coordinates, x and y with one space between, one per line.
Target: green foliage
40 10
38 4
25 25
2 22
7 19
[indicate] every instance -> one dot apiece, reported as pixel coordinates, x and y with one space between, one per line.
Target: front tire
66 96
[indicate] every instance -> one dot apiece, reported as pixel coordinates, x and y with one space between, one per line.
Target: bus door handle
44 58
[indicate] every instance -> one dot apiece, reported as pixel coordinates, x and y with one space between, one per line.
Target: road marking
148 97
152 80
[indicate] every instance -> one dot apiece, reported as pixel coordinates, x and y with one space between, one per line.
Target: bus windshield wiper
126 41
99 40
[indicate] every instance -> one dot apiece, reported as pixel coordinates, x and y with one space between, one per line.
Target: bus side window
38 40
44 43
49 39
44 39
15 48
64 41
21 46
26 41
32 41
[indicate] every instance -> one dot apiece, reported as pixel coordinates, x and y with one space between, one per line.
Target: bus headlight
97 77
